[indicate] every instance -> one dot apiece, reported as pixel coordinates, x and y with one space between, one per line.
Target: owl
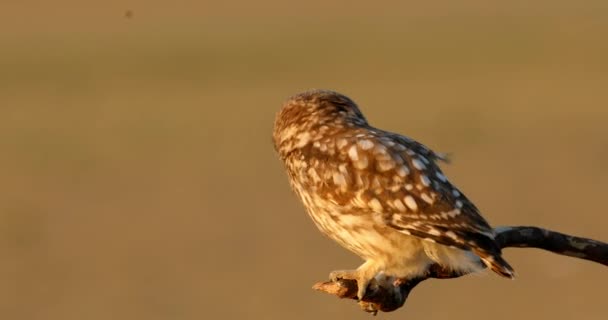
379 194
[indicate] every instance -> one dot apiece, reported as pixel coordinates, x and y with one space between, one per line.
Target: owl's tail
497 264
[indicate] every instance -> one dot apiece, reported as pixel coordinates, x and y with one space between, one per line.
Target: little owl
379 194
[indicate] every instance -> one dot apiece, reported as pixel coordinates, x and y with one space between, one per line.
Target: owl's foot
362 278
343 274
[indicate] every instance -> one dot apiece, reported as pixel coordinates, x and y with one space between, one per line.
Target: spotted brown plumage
379 194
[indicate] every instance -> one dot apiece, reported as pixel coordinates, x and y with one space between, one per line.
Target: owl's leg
363 275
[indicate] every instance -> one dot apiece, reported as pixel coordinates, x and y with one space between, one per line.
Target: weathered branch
390 294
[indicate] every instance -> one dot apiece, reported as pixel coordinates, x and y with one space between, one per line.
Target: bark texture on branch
389 294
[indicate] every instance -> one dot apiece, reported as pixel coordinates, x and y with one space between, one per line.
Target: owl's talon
356 275
343 274
362 289
369 307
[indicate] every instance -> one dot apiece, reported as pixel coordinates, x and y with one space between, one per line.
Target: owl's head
312 115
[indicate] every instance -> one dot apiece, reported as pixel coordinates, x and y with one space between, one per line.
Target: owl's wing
399 179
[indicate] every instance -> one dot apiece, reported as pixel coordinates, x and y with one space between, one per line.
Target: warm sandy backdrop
138 180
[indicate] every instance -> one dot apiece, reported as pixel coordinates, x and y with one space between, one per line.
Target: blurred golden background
138 178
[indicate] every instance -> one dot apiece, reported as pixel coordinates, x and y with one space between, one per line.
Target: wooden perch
391 294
